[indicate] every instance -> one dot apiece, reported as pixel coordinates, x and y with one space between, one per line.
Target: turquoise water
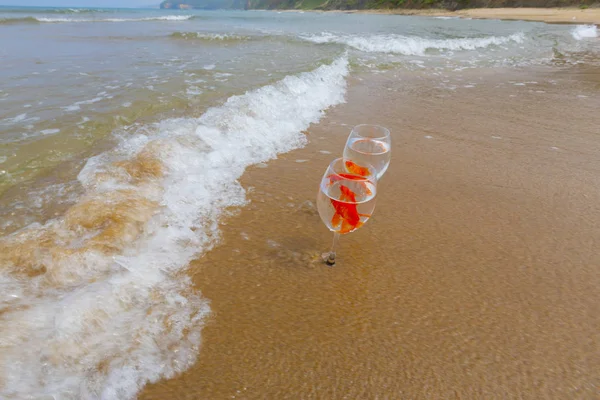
123 134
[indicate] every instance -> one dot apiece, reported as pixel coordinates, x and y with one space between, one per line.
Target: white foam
161 18
71 108
193 91
14 120
219 37
49 131
21 118
581 32
100 327
410 45
76 106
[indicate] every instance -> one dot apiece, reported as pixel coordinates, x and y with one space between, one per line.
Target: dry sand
564 15
476 278
551 15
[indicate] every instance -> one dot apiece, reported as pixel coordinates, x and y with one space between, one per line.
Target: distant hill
363 4
203 4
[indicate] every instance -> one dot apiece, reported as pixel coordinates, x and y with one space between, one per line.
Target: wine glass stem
331 259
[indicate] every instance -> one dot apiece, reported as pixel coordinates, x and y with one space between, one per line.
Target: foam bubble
14 120
94 304
161 18
409 45
71 108
210 37
581 32
49 131
77 106
193 91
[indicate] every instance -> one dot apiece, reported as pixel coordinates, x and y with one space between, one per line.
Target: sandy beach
550 15
158 231
476 278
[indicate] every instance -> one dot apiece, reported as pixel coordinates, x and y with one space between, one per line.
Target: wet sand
550 15
477 277
553 15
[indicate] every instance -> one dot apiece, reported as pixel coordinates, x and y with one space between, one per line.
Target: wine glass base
328 258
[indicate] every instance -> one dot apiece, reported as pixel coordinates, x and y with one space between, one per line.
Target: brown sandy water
477 277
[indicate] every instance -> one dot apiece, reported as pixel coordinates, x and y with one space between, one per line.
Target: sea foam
581 32
160 18
95 304
409 45
210 37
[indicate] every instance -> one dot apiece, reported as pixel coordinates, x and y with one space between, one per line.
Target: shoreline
547 15
474 275
171 232
555 15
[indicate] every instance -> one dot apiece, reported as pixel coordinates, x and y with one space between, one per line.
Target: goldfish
346 212
338 177
357 169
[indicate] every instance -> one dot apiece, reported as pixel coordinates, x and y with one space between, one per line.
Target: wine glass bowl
369 144
346 197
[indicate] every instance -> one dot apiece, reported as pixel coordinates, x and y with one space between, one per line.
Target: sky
81 3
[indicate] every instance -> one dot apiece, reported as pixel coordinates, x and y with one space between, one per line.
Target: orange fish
338 177
357 169
346 212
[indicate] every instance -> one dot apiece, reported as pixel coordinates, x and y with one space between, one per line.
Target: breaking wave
95 304
408 45
210 37
80 20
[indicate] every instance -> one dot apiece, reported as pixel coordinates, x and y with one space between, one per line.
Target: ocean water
123 134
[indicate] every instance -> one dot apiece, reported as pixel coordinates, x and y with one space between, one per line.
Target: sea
123 136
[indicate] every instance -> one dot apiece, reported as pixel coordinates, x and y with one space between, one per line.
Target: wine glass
369 144
346 199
